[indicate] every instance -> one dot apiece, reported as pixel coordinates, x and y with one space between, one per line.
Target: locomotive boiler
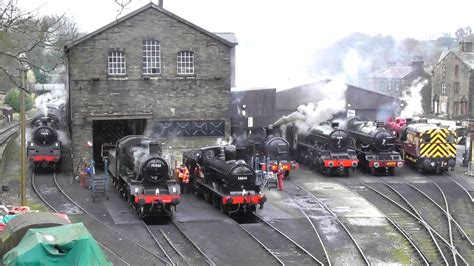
374 146
45 147
142 176
326 148
226 181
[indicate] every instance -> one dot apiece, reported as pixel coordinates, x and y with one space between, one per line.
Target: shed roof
466 58
391 72
226 38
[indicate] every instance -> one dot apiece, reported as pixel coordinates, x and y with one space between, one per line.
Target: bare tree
24 33
122 4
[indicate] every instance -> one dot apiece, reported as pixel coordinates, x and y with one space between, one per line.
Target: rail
92 216
298 205
339 221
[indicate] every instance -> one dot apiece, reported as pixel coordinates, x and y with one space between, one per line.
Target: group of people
182 177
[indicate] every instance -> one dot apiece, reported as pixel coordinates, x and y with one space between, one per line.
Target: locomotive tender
324 147
374 146
142 176
224 180
45 148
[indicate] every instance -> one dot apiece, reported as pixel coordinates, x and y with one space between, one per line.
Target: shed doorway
110 131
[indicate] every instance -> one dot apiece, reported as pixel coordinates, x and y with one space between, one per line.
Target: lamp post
25 74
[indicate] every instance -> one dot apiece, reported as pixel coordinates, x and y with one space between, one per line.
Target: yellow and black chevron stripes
438 146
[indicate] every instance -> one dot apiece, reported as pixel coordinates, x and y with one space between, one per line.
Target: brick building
154 73
453 80
395 80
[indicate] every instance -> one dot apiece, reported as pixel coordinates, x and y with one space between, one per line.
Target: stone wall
164 97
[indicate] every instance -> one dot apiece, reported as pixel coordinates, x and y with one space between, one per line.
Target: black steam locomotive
223 179
268 152
374 145
45 147
142 176
324 147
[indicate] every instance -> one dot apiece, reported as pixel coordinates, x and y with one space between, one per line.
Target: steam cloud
412 98
306 116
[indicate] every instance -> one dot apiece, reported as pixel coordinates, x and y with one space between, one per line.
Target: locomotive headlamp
331 164
136 191
31 144
57 144
354 164
400 164
376 164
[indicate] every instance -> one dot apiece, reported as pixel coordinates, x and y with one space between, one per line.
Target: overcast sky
276 37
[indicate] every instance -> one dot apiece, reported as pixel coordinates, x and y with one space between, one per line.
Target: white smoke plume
412 98
311 114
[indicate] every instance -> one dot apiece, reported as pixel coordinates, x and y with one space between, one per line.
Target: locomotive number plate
155 165
242 178
391 163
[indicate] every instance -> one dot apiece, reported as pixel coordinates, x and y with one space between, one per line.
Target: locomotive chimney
154 148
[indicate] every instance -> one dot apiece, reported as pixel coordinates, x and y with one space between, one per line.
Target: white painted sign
351 112
250 121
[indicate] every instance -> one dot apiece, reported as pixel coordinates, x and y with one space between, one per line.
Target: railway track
350 240
458 239
432 244
458 184
280 246
308 212
177 246
6 133
123 252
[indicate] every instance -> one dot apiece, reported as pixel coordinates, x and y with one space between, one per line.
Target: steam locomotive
324 147
268 153
224 180
141 175
45 147
374 146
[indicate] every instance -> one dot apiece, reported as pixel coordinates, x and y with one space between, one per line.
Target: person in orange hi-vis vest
185 180
180 176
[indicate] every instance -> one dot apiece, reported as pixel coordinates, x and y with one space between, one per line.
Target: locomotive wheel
207 196
346 171
223 208
215 202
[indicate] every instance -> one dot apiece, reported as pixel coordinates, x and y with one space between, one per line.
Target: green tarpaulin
70 244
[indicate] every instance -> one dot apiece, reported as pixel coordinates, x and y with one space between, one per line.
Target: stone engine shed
153 73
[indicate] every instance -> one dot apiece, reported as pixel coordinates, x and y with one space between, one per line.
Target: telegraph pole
23 138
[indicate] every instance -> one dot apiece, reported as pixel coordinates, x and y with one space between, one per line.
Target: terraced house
453 81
